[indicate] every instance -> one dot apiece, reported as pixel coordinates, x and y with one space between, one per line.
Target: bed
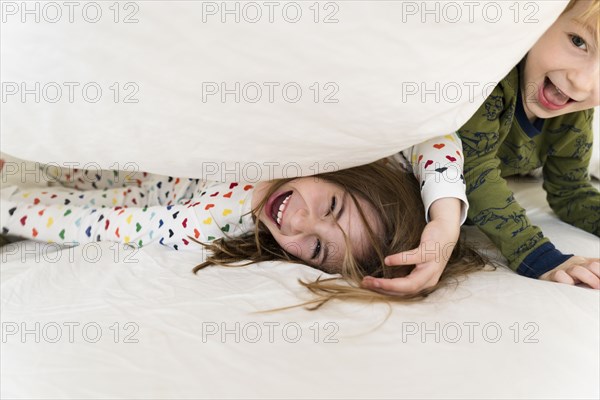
106 321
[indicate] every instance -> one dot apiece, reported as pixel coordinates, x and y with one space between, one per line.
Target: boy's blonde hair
591 15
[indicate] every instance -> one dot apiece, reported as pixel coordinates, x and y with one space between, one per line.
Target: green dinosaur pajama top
499 141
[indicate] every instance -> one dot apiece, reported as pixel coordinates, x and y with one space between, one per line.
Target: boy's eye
317 249
578 42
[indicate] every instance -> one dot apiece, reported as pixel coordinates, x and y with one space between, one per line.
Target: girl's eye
332 207
578 42
317 249
318 243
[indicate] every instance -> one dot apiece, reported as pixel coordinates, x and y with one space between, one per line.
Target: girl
342 222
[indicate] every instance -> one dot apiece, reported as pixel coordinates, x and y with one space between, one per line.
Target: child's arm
64 219
492 206
437 165
566 177
90 179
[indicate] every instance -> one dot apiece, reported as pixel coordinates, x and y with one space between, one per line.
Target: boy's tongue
553 95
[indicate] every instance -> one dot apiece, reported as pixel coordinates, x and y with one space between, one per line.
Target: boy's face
561 73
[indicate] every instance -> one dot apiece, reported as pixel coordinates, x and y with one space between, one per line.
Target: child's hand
437 243
576 270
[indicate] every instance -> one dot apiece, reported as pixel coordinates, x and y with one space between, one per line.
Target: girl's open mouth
551 97
276 206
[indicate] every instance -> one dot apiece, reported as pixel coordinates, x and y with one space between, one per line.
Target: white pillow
379 61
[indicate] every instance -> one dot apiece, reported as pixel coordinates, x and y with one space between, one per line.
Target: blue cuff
542 260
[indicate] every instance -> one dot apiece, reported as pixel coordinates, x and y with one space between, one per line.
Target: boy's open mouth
552 97
277 206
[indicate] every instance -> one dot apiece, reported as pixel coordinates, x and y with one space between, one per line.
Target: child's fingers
595 268
368 284
562 277
411 257
586 276
414 282
387 286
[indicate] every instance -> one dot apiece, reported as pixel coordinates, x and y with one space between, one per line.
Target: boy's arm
566 178
492 205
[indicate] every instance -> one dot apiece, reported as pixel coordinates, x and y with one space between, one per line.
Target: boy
540 114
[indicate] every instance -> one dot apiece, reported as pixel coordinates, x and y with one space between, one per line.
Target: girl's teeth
281 208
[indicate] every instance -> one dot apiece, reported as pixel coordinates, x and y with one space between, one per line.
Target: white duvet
175 90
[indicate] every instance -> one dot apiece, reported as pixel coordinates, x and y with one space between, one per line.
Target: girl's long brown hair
395 196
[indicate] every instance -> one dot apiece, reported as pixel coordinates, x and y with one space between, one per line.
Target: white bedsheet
547 346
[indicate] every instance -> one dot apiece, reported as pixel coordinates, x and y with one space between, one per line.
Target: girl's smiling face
301 215
561 72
